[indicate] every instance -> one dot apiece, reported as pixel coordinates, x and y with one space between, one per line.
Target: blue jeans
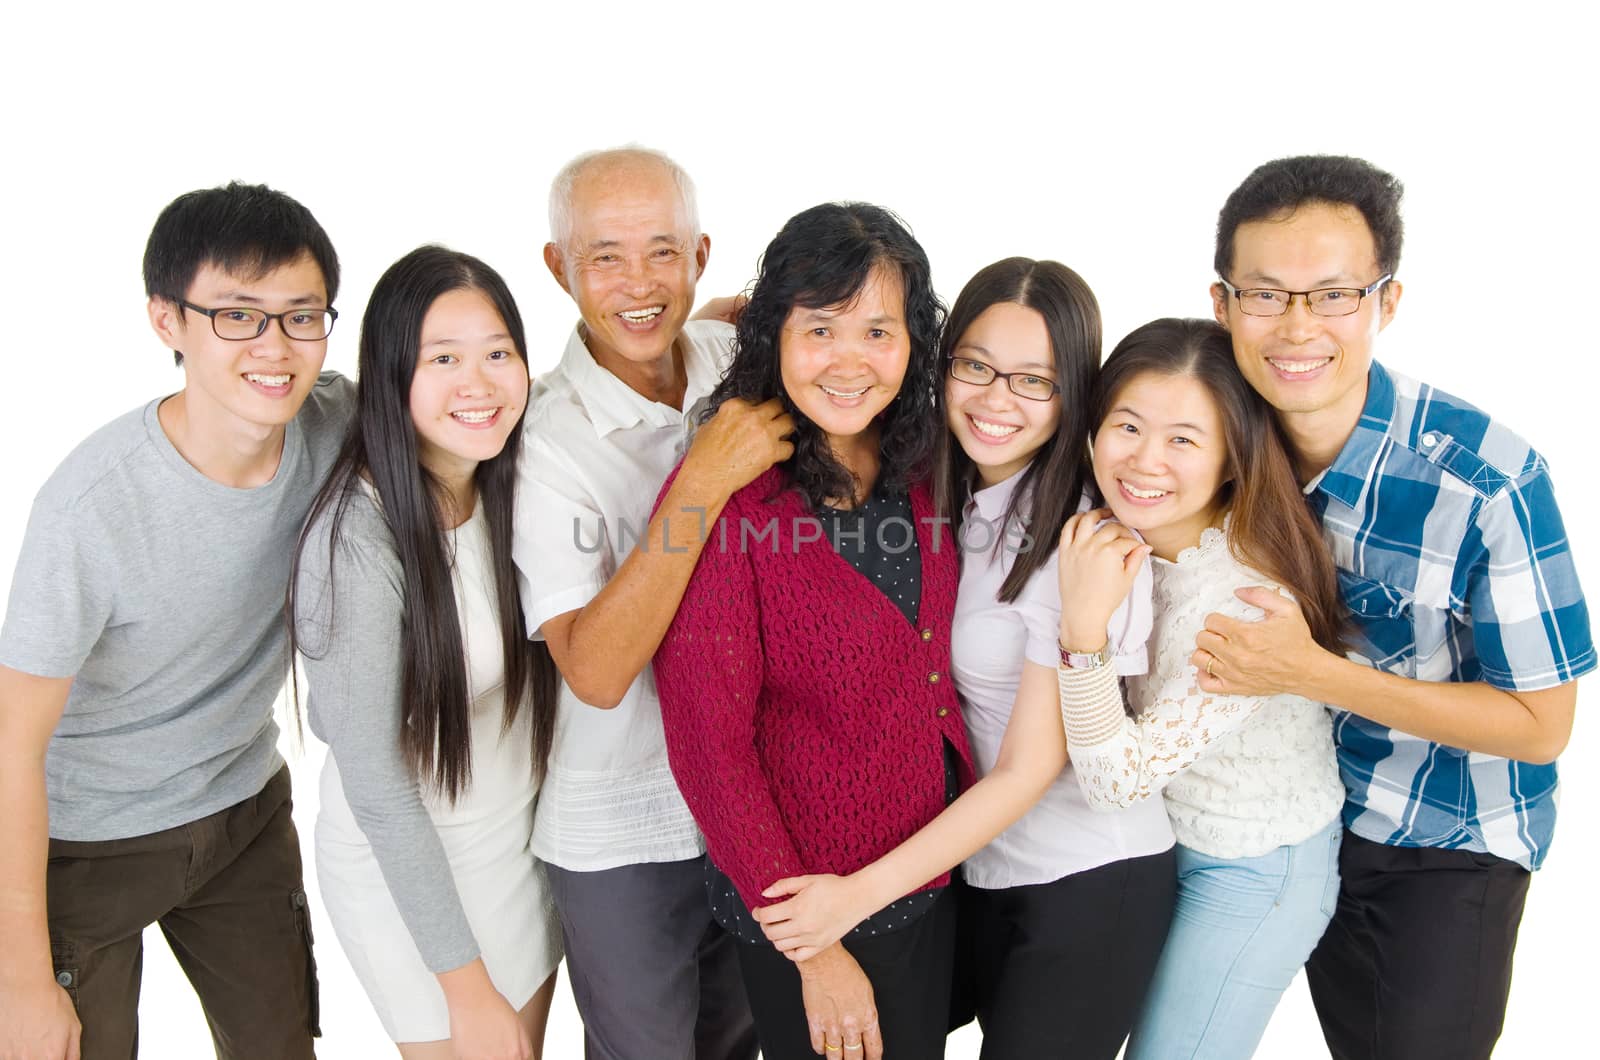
1241 930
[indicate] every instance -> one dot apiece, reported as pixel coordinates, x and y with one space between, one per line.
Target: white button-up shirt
990 641
595 453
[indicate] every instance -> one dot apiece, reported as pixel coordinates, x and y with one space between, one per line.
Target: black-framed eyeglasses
1023 384
241 323
1324 301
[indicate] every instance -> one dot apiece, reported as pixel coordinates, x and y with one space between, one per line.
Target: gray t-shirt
162 591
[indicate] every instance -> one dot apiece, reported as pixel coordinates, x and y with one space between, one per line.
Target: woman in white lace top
1188 456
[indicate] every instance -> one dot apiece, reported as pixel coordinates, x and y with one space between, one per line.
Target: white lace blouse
1242 775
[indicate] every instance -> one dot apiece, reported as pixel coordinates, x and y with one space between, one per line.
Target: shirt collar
613 405
1349 476
991 501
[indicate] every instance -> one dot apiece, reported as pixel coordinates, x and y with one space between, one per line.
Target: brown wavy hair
1270 528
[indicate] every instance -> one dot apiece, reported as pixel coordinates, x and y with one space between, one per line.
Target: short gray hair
561 187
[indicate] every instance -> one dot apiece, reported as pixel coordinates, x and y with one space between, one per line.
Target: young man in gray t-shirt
143 648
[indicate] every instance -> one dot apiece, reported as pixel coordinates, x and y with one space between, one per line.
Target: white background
1106 138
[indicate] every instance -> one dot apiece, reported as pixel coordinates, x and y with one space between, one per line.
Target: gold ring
830 1048
1209 664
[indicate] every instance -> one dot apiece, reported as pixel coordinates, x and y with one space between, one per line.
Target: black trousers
910 973
1059 970
1417 960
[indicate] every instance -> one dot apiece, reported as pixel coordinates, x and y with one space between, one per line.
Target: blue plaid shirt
1455 566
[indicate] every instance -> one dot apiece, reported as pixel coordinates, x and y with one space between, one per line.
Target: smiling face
998 430
470 385
1160 458
260 382
631 263
841 365
1307 365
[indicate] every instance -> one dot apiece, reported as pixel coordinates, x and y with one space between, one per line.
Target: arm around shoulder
1515 596
709 673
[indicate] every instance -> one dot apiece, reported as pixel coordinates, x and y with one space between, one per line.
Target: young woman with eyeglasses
1066 908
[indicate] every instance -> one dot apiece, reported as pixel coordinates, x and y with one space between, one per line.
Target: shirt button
927 634
933 678
64 978
943 711
1430 439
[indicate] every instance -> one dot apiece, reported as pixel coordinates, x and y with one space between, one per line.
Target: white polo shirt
594 456
990 640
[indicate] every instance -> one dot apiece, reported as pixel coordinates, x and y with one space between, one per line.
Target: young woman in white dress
436 707
1188 455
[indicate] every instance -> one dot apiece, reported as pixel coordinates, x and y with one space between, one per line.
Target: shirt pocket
1383 629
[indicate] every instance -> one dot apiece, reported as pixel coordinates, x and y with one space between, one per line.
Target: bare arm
602 647
1097 564
482 1021
1277 654
37 1018
726 308
1032 754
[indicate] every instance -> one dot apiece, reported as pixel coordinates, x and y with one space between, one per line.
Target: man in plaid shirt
1468 631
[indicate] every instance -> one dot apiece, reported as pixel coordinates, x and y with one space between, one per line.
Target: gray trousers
655 978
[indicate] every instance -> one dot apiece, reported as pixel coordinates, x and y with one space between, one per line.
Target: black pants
910 974
1060 969
1417 960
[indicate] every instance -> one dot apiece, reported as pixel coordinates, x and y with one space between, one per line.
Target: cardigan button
943 712
933 677
927 634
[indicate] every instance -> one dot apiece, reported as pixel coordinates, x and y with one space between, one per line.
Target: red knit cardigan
803 713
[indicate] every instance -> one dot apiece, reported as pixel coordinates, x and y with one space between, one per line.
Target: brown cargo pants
226 891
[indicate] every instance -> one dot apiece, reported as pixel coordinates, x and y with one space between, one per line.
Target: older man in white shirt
655 978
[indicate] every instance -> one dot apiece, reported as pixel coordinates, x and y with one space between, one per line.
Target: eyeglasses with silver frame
1028 385
1323 302
242 323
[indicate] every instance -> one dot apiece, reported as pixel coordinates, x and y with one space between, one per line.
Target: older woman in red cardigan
810 720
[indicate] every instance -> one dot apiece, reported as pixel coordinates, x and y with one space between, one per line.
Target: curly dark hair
822 257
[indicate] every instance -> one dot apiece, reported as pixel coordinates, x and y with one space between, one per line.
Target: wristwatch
1079 660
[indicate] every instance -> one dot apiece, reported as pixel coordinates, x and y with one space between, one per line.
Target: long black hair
823 257
1053 483
381 447
1269 526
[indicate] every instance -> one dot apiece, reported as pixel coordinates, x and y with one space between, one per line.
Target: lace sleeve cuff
1091 705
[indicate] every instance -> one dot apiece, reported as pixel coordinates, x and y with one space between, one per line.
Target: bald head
617 169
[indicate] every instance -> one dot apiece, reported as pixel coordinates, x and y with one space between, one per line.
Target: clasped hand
1096 564
823 909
